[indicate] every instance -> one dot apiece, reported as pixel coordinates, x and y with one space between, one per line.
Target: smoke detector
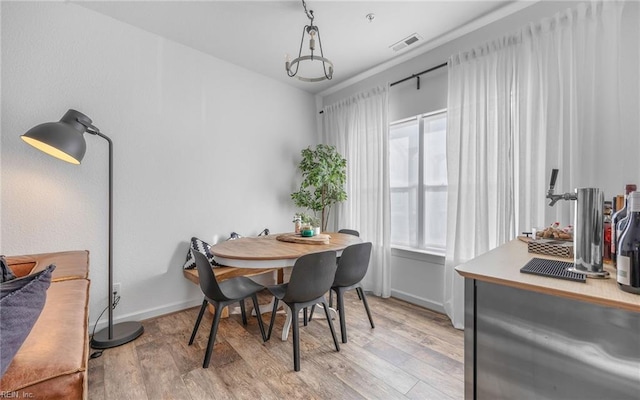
406 42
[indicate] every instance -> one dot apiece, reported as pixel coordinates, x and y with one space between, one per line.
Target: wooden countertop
502 266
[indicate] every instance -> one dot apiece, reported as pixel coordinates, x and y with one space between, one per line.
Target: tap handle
554 176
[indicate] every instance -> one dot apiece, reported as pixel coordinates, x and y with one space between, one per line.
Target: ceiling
256 35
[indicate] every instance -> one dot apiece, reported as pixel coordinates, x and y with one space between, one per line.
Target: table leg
287 324
280 278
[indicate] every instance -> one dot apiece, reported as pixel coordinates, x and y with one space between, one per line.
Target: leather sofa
52 362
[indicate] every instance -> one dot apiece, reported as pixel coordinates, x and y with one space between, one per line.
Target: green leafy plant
314 221
324 173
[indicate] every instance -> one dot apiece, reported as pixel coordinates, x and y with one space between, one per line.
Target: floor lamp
65 140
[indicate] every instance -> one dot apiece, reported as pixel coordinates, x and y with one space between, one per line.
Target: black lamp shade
63 139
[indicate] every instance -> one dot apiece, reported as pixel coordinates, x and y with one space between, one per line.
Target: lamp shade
63 139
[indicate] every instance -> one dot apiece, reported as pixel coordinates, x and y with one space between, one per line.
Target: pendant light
292 66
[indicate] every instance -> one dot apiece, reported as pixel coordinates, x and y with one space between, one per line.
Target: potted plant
323 177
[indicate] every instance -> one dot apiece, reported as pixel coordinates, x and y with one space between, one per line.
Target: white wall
417 277
201 148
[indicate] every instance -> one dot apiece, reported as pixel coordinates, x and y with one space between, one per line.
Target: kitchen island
535 337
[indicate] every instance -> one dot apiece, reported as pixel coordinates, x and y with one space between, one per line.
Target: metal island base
533 337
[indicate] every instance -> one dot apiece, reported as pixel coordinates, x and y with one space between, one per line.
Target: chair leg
212 335
333 331
358 292
366 305
313 308
342 312
305 315
243 311
273 317
256 307
195 328
296 338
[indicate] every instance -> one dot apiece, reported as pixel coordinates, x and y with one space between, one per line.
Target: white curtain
518 107
479 161
567 109
359 128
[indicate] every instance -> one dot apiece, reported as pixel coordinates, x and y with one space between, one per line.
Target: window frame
420 188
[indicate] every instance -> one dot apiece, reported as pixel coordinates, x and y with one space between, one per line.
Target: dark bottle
628 274
615 227
606 253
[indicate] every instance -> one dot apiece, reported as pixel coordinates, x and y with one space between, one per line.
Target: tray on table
322 238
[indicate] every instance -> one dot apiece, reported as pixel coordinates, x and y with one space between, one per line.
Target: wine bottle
620 214
628 258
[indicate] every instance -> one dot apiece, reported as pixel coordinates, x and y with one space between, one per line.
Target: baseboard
419 301
148 313
179 306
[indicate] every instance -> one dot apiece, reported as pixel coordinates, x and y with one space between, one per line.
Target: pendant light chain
309 13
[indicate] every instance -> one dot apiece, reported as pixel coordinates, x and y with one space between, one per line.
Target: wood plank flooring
413 353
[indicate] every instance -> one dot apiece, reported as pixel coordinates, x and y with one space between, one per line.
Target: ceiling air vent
408 41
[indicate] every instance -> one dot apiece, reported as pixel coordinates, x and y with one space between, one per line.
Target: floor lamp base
124 332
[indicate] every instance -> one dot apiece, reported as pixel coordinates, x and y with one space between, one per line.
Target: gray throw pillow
21 302
5 272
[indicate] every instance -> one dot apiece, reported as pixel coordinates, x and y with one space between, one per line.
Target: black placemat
552 269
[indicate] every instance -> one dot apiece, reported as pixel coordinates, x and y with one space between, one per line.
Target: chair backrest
208 282
311 277
353 264
350 232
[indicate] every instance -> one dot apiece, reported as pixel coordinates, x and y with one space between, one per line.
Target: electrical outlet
116 290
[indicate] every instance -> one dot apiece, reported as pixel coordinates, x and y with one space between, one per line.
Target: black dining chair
350 232
352 267
221 295
310 279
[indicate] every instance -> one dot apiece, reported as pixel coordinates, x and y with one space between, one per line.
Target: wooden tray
296 238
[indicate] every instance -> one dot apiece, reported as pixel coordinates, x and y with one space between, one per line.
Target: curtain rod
418 74
413 76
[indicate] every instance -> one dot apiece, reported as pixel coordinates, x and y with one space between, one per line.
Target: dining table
272 251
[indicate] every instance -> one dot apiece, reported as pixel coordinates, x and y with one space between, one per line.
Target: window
418 180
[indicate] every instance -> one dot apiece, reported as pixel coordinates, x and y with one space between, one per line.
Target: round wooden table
268 252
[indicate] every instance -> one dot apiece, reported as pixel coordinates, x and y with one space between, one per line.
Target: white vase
316 231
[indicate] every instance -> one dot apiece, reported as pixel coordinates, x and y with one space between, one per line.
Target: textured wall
201 148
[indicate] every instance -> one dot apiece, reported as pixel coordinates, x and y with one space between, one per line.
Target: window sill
432 256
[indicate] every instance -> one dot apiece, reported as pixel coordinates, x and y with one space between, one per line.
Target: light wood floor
412 353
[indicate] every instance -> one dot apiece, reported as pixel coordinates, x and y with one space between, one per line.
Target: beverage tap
555 197
588 236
